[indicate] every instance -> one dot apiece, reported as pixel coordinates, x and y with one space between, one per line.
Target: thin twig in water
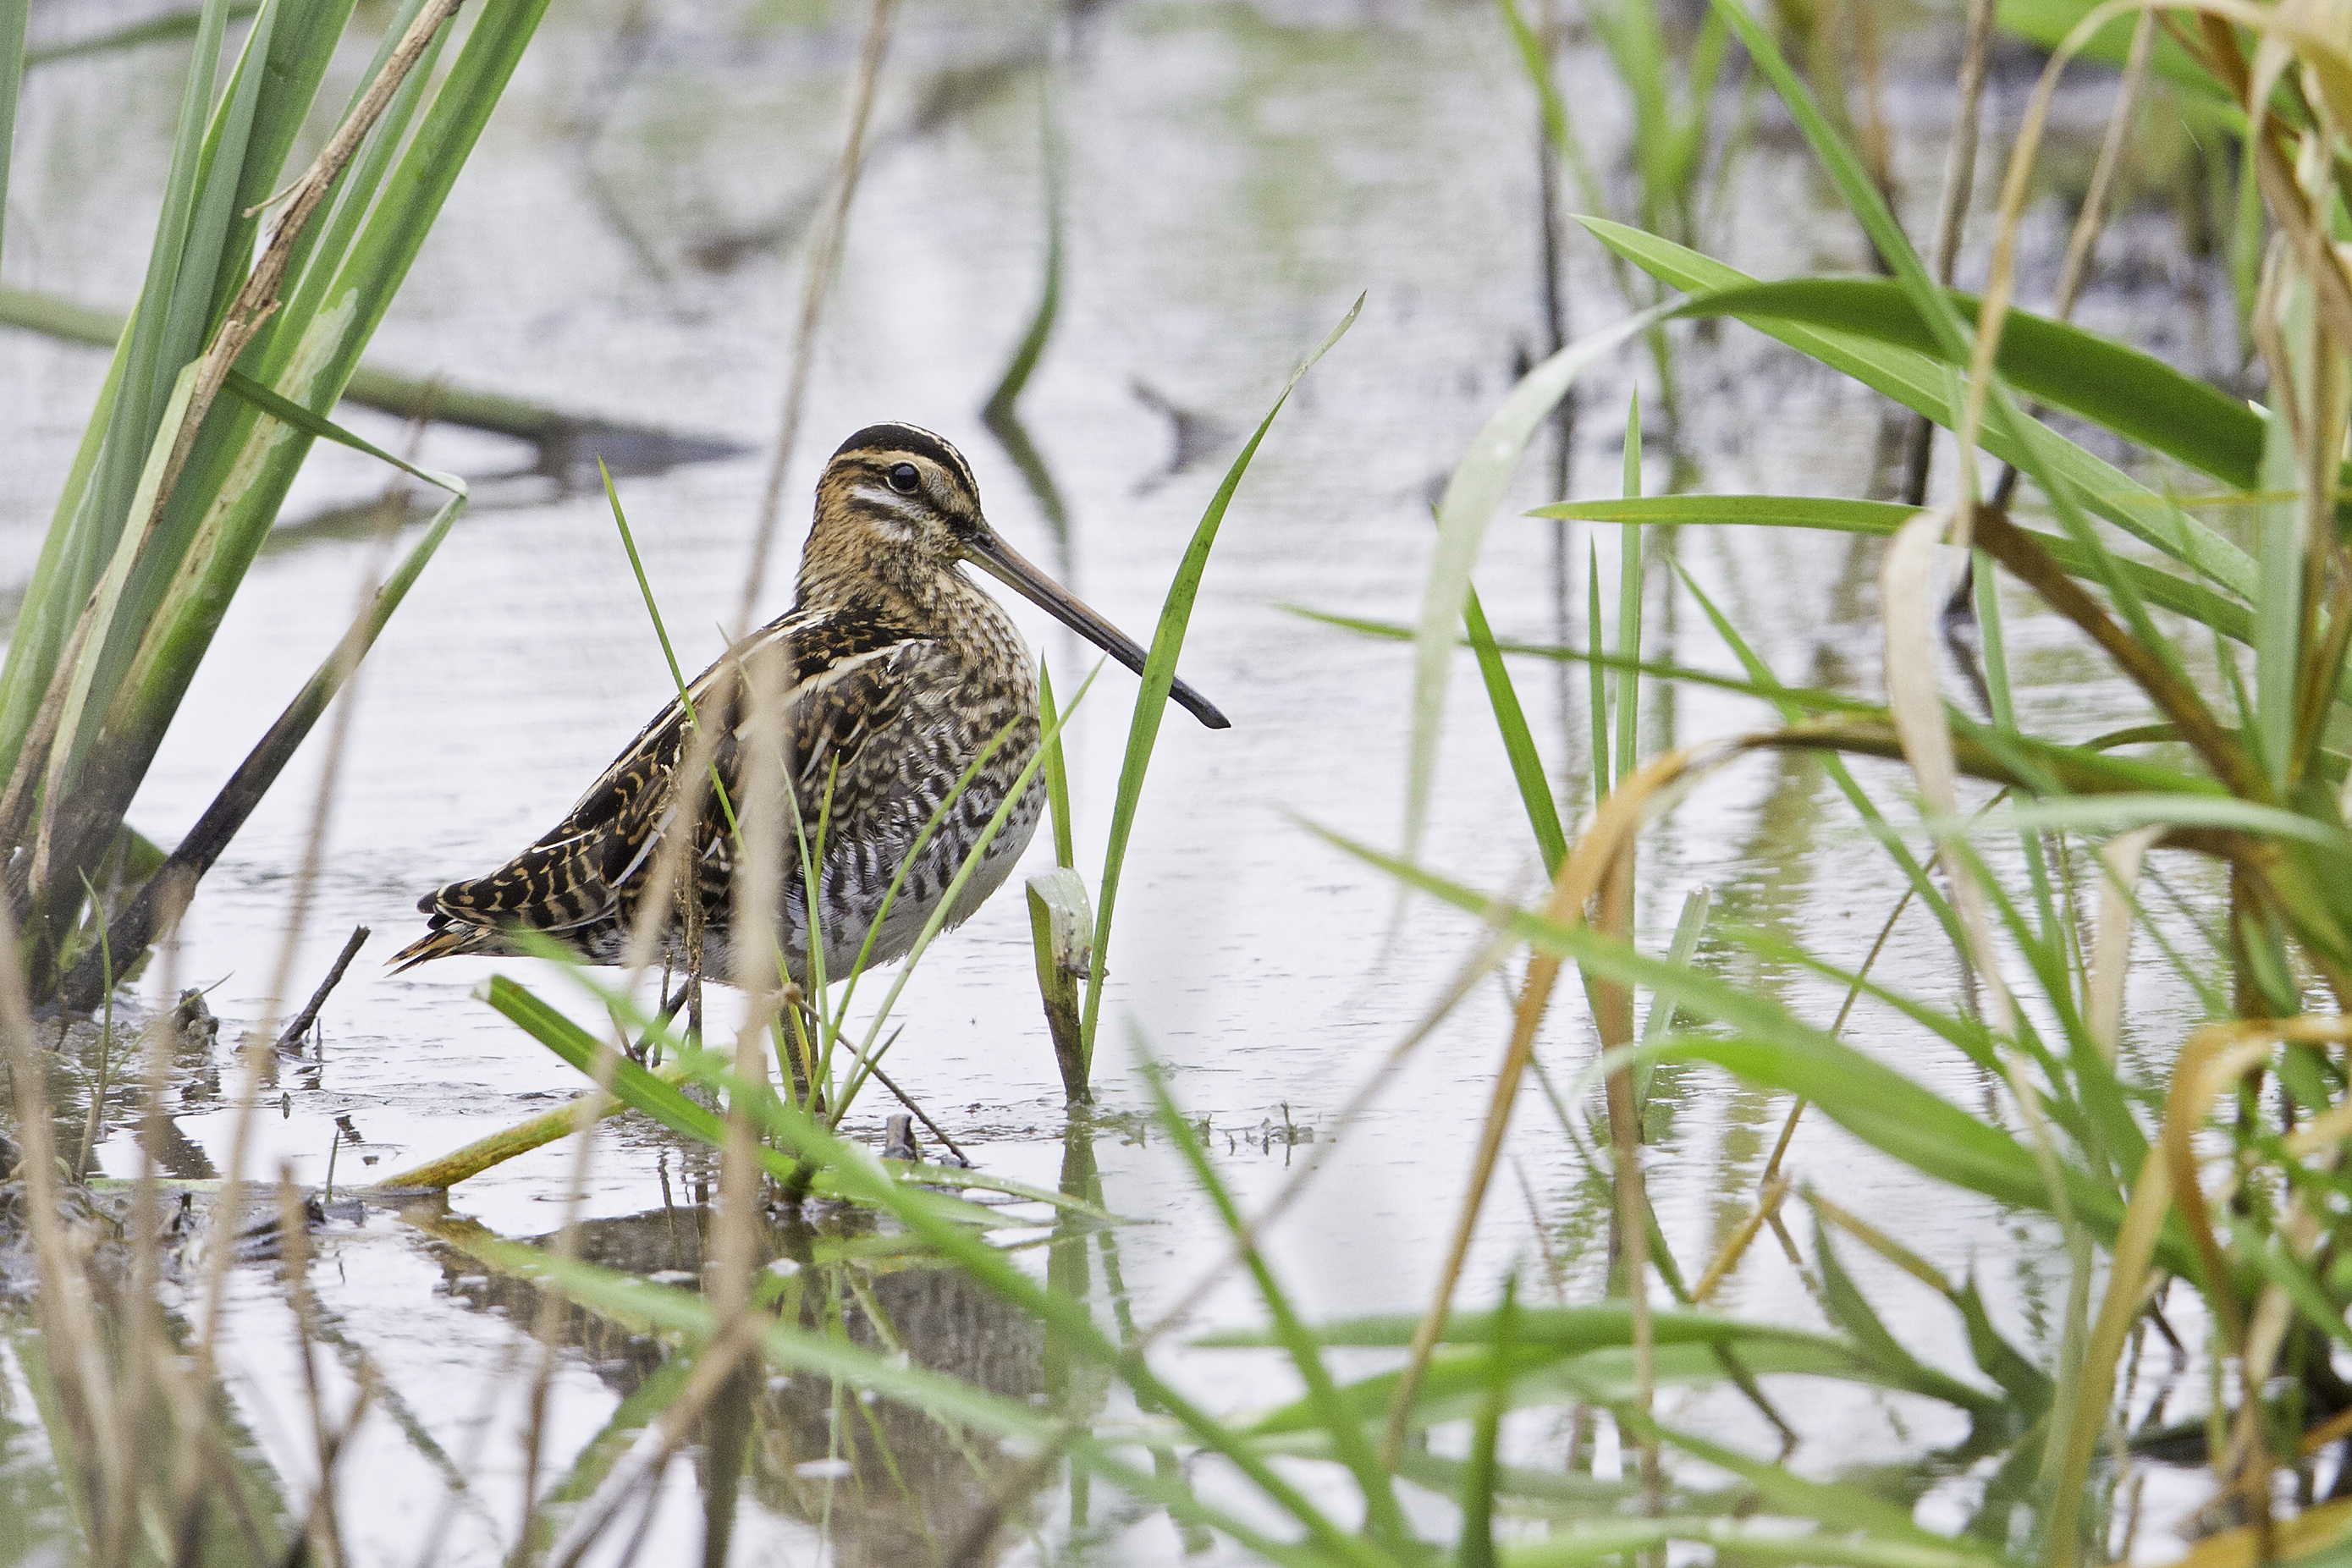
291 1040
908 1101
254 1053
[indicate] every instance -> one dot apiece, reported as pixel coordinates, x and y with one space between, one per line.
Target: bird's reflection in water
890 1485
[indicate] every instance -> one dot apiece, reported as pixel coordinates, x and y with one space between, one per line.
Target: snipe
897 669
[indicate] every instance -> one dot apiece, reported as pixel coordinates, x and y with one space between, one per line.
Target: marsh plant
2193 1191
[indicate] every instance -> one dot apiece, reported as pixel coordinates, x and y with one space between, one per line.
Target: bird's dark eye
905 480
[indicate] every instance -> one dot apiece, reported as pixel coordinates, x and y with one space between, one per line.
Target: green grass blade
1472 495
1771 1046
1879 519
1160 674
1519 741
2038 447
1476 1547
12 76
148 375
287 410
2134 394
320 353
1346 1429
1629 605
643 1091
1851 1310
1058 772
1921 384
211 264
1597 662
645 588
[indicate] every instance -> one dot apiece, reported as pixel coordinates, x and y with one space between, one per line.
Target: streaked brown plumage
897 669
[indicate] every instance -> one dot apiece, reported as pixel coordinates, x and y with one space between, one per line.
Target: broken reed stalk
1061 930
291 1040
482 1153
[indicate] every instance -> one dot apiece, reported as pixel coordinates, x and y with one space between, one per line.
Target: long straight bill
1005 564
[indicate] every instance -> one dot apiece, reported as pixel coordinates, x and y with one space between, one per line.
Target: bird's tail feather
445 941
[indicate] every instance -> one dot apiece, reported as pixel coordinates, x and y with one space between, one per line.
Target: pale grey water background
1237 174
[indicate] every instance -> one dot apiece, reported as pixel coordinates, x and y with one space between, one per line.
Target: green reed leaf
1922 384
1472 495
1349 1438
1519 741
2165 589
1159 675
2132 393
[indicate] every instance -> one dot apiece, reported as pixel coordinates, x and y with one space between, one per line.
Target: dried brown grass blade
1609 838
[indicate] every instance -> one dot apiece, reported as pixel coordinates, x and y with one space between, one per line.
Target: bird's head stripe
908 438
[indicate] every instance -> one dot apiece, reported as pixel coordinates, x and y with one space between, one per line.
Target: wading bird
895 671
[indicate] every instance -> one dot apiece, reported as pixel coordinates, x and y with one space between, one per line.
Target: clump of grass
2195 1186
176 484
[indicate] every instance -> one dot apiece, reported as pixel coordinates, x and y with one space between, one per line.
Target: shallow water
1236 175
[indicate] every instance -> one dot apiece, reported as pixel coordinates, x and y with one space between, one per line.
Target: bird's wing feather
847 675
